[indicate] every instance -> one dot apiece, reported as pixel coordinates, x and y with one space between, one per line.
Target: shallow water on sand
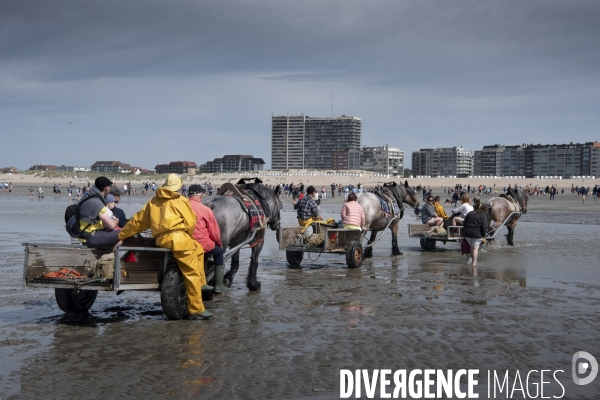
530 306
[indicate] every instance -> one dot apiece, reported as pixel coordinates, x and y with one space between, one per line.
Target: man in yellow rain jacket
172 222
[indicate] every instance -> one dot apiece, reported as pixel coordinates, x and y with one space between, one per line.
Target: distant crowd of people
296 191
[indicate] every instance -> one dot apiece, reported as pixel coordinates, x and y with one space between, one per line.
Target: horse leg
251 282
235 265
509 235
394 228
512 228
368 252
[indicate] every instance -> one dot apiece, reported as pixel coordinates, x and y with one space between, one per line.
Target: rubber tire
173 296
428 244
354 255
294 258
75 301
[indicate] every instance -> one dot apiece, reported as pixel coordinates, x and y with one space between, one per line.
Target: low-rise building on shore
234 162
177 167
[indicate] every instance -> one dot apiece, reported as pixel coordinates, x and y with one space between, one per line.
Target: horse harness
514 203
388 201
251 201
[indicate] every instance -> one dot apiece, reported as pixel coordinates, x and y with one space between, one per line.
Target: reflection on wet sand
507 274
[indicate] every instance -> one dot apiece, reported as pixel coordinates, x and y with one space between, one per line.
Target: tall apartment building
447 161
563 160
287 142
489 161
595 159
499 160
304 142
513 161
383 159
425 162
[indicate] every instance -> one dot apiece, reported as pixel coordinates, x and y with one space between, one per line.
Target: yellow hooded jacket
169 217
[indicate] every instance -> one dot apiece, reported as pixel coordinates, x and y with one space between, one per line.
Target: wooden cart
336 241
428 240
138 265
453 233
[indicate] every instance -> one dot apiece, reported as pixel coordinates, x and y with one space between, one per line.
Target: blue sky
148 82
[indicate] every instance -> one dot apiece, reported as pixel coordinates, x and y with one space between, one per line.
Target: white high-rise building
304 142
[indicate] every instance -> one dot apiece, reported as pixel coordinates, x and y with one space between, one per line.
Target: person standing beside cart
172 222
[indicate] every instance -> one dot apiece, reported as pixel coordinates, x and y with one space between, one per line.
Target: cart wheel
294 258
208 295
427 244
75 301
173 296
354 255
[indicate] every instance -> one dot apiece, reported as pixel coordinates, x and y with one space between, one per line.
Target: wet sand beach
531 306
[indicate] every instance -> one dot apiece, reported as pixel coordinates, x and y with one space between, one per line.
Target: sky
149 82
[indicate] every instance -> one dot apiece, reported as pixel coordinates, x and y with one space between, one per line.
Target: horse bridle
271 224
519 198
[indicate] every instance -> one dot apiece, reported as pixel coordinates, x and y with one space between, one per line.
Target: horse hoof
397 253
254 286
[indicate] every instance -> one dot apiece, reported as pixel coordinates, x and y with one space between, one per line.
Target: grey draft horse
234 224
501 209
376 220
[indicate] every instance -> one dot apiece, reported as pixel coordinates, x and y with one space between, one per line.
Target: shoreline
315 178
566 203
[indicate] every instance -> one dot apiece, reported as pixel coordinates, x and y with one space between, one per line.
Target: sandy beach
20 181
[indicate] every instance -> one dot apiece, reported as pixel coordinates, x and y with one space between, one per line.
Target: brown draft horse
376 220
506 207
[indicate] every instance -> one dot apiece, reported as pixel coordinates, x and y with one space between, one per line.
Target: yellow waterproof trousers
191 265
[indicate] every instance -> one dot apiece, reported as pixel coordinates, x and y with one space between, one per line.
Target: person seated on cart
96 220
307 207
172 222
428 214
353 216
208 234
462 210
439 210
119 213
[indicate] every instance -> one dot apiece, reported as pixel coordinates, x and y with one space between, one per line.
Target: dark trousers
103 239
217 254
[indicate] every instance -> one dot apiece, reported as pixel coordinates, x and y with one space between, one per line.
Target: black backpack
72 218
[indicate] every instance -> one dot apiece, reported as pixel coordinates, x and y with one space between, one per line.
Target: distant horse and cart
383 209
504 210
